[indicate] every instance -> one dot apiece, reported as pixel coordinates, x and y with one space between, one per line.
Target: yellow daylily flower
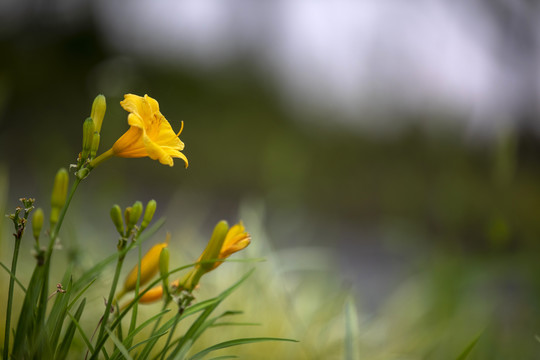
150 134
237 238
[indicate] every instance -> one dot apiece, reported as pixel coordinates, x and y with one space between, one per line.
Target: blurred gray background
399 136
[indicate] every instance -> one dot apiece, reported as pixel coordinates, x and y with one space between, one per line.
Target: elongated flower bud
152 295
59 194
88 137
98 111
149 268
148 214
116 217
37 223
95 145
214 246
127 211
191 279
164 266
135 214
225 241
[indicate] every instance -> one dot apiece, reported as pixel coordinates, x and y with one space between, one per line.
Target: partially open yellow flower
150 134
237 239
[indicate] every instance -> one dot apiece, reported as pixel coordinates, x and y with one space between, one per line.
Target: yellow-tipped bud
98 111
59 194
95 145
148 214
225 241
152 295
37 222
214 245
149 267
237 239
164 266
135 214
155 293
116 217
211 252
88 138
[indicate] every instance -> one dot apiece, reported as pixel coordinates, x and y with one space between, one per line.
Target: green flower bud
126 217
116 217
37 222
88 138
148 213
95 145
164 266
214 245
211 252
135 214
98 111
59 194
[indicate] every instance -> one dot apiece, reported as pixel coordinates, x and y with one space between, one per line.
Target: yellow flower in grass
224 242
150 134
237 238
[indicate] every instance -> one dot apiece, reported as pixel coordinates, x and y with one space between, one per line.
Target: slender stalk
158 321
7 329
110 300
171 333
42 306
135 306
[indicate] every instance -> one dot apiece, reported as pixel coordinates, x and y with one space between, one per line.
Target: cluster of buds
20 216
91 136
126 225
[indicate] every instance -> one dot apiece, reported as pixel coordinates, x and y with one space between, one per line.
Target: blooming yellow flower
150 134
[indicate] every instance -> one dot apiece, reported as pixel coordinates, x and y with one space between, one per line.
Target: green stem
42 307
101 158
110 300
158 321
169 337
137 284
10 294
